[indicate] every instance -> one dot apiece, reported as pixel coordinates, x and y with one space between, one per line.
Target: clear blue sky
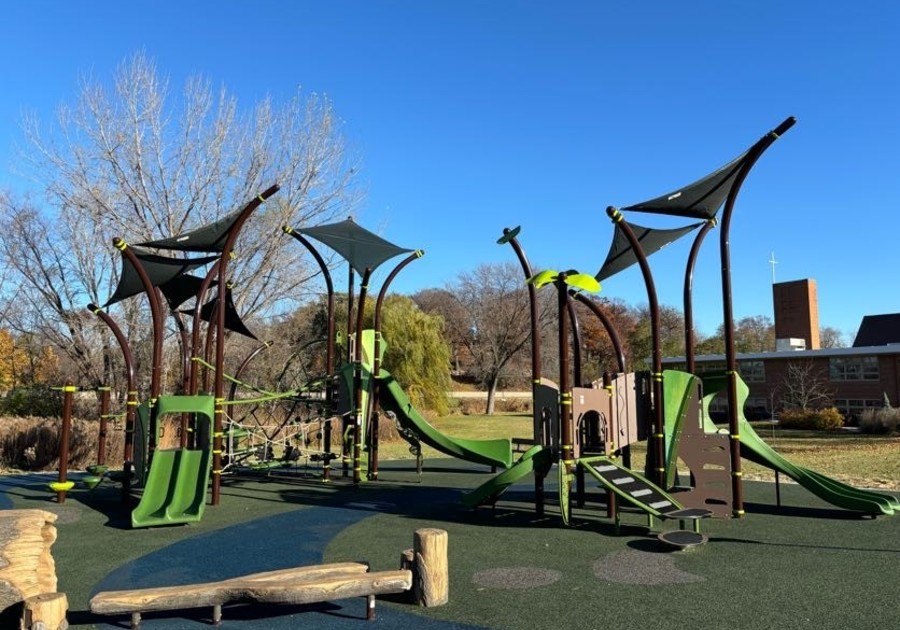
475 116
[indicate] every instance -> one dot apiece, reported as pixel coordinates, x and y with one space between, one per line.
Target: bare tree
804 386
131 159
831 337
496 326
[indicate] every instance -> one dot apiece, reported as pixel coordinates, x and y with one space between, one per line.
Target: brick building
854 378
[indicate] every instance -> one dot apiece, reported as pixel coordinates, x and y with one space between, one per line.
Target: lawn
871 461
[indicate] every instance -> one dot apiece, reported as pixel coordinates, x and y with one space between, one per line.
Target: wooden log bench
301 585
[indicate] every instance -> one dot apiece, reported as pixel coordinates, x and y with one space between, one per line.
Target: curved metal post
156 315
131 401
689 340
607 325
372 472
567 437
227 248
329 285
656 448
728 314
511 236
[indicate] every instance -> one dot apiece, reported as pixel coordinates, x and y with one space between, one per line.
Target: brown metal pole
104 418
731 369
329 285
376 363
656 447
689 340
131 401
156 315
510 236
219 411
567 438
65 436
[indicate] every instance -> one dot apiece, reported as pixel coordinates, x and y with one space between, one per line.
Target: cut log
46 612
26 565
303 590
432 584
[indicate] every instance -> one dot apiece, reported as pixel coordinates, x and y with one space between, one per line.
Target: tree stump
431 581
26 565
46 612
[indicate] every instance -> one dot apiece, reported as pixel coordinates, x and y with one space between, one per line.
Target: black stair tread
681 538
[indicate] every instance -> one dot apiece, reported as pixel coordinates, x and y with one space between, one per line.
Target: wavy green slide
175 491
489 452
756 450
536 459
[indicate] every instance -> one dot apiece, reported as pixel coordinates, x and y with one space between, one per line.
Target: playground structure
222 434
588 428
692 469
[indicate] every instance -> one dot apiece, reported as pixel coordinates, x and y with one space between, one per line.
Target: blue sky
475 116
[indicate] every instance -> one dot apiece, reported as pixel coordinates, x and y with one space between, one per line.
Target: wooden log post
431 580
46 612
26 564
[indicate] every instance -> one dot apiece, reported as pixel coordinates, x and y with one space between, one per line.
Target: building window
711 367
752 371
853 369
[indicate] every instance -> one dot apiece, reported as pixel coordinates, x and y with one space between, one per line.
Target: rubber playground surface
805 564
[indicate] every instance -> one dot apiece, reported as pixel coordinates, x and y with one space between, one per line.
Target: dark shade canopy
209 238
700 200
621 255
361 248
161 270
233 321
182 289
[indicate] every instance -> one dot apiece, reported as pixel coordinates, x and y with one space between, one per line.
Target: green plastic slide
489 452
175 490
756 450
536 459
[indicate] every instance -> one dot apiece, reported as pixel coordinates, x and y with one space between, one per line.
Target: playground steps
300 585
650 498
631 486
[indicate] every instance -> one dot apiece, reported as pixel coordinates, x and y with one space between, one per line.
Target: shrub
811 419
32 444
885 420
37 401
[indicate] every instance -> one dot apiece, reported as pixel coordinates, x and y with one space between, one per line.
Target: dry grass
861 460
32 444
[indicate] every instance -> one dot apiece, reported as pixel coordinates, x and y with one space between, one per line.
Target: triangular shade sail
161 270
621 255
233 321
181 289
361 248
700 200
209 238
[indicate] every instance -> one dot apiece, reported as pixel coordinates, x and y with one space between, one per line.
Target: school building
855 378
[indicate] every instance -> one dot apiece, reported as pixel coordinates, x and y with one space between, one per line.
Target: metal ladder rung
607 468
642 492
622 480
660 504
